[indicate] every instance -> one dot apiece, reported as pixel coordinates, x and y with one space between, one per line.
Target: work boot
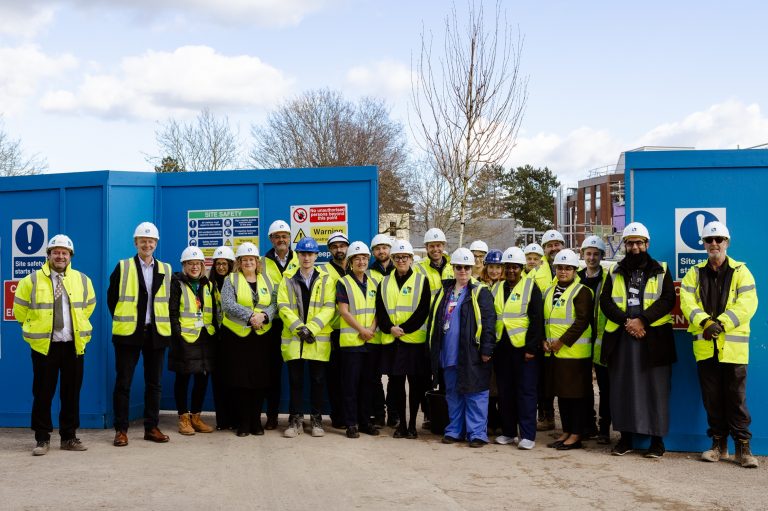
295 427
317 426
718 450
546 424
624 445
744 455
352 432
199 425
185 426
41 448
73 444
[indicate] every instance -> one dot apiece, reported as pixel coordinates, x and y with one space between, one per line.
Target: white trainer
526 444
506 440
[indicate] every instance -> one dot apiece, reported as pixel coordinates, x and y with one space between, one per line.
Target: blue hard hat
493 257
307 245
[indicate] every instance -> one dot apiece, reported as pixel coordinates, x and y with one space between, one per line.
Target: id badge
446 326
633 301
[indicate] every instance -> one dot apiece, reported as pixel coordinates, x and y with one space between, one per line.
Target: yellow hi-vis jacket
191 318
124 319
512 314
322 307
33 307
362 306
543 276
599 321
434 277
558 318
273 272
653 288
402 303
374 278
733 343
244 296
496 287
328 269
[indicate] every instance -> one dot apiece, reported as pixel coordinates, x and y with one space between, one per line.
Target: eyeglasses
401 257
717 239
632 243
461 267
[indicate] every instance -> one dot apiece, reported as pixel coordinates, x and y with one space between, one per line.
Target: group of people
500 334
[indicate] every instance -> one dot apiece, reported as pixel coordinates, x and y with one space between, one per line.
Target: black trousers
415 395
358 378
126 358
377 399
181 389
316 384
61 359
275 369
546 401
248 403
333 379
724 391
573 415
223 401
604 408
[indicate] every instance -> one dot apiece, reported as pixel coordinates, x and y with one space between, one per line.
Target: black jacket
113 293
185 357
474 375
660 340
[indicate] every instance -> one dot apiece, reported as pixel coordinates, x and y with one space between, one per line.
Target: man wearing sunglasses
718 297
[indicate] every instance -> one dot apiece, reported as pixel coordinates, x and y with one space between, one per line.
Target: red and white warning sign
318 221
9 291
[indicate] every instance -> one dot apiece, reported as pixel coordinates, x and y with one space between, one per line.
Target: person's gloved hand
712 329
304 333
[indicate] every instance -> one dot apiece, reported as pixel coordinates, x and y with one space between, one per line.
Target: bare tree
207 143
322 129
469 101
13 161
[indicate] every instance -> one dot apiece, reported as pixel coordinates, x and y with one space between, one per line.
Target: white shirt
147 270
65 334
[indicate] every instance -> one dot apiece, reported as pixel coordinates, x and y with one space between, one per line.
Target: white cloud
158 84
23 69
386 78
23 19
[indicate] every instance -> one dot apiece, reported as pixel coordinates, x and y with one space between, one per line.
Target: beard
634 261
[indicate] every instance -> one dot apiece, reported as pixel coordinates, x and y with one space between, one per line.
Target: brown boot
744 454
185 427
718 450
199 425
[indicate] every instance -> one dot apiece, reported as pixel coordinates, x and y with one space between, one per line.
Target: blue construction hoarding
674 193
99 211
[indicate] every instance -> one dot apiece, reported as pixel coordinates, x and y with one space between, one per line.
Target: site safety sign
689 249
209 229
318 221
29 239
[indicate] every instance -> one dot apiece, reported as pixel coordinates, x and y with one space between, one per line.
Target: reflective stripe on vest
362 306
559 317
125 318
512 314
273 271
434 277
651 293
401 304
244 297
190 313
322 297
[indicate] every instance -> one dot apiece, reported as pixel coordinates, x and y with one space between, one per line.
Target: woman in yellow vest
402 306
519 331
249 306
567 316
356 299
223 262
193 311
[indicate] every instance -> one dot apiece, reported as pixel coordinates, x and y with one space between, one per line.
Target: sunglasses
718 239
461 267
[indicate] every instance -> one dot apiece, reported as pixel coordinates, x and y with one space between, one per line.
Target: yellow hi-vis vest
374 279
512 314
652 293
124 319
543 276
362 306
434 277
244 296
475 306
273 271
600 321
401 304
733 343
559 316
334 275
322 307
191 318
33 307
496 287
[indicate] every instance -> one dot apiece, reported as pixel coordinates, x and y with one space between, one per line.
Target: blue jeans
467 413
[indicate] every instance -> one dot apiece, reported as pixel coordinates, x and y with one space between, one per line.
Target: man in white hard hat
552 242
382 265
593 276
533 254
638 343
478 248
138 299
57 340
719 298
280 261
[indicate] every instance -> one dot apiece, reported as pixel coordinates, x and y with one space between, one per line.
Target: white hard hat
513 255
416 258
279 226
223 252
247 249
337 237
479 245
357 248
381 239
635 229
146 230
192 254
715 228
61 241
463 256
551 235
566 257
533 248
434 235
402 247
593 242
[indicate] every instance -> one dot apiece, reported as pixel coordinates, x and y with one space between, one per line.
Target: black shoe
352 432
449 440
400 433
392 420
555 444
240 432
258 430
369 429
476 442
411 433
656 450
271 423
567 447
622 447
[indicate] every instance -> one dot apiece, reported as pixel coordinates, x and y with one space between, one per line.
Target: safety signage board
689 249
212 228
9 291
318 221
679 321
28 238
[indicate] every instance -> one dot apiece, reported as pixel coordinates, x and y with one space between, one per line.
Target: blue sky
85 82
